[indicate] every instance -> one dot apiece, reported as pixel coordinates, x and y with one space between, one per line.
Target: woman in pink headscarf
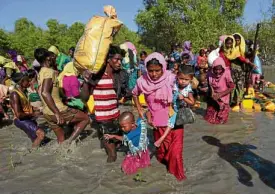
157 86
221 85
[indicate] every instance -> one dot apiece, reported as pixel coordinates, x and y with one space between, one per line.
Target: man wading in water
106 87
55 112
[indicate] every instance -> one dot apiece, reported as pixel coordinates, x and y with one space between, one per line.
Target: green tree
165 22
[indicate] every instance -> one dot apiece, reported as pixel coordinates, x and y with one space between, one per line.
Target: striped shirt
106 103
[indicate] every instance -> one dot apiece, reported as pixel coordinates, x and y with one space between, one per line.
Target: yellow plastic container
257 107
247 104
236 109
270 106
91 104
142 101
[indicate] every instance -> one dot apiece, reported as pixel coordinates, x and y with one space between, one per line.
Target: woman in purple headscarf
187 49
13 55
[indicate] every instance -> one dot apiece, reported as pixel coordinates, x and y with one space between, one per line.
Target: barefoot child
135 137
182 97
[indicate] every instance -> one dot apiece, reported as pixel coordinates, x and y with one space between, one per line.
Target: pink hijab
219 83
162 88
131 46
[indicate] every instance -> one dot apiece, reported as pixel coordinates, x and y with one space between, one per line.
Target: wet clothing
29 126
49 73
170 151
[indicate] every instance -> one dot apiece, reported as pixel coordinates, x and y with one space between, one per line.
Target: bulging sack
92 48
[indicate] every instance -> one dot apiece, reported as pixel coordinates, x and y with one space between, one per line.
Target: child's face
127 126
203 81
184 80
218 70
176 66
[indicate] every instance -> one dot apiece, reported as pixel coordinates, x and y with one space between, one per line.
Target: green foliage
26 37
125 34
166 22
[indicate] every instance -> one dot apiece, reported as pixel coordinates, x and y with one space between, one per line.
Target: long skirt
216 114
238 76
132 163
170 151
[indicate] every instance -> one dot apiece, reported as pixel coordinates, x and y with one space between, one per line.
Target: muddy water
246 147
269 73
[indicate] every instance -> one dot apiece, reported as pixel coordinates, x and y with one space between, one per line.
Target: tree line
161 24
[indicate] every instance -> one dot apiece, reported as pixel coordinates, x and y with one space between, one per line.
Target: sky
70 11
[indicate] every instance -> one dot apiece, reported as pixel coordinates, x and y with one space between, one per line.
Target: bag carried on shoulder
185 116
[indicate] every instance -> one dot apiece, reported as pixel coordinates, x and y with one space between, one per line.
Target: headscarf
35 64
218 82
126 59
131 46
54 50
231 53
13 54
187 49
221 39
69 70
241 47
4 60
11 65
162 88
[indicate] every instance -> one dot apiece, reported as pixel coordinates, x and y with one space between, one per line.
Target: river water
237 157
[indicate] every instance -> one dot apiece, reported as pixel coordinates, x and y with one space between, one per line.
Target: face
184 80
238 41
218 70
126 126
185 61
155 71
115 62
52 60
143 57
25 83
71 53
229 44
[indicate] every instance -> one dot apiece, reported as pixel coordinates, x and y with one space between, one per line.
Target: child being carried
182 97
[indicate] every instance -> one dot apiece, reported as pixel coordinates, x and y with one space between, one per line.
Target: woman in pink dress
157 86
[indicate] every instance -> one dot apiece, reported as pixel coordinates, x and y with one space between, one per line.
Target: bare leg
59 132
40 136
81 120
111 151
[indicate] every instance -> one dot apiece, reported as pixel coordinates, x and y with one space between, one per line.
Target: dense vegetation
160 24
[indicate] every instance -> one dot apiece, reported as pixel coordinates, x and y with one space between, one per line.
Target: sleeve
49 74
229 81
136 91
242 59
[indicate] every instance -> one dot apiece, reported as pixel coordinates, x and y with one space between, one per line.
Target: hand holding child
108 136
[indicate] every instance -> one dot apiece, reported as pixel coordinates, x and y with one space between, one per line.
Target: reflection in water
237 154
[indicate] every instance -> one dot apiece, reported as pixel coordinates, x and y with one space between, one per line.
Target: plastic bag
92 48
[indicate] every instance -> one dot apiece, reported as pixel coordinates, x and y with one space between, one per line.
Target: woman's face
155 71
218 70
229 44
238 41
25 83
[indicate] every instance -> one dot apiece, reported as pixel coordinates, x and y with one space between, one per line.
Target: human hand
108 136
181 97
216 96
158 143
59 118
